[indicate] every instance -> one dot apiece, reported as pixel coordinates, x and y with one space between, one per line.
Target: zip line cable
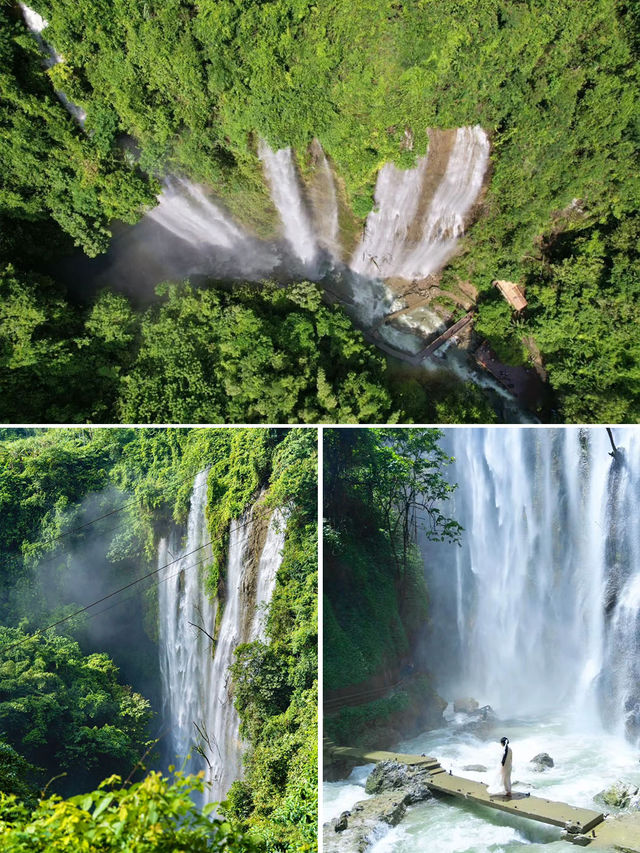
150 574
131 597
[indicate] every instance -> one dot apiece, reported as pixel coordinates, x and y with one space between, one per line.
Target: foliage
375 482
251 355
66 712
16 775
49 167
155 814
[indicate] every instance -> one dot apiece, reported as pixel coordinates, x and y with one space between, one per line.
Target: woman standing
505 766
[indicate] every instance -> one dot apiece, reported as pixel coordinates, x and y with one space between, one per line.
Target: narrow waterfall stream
36 24
197 687
538 615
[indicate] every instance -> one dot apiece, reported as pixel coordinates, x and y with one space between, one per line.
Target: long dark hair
505 742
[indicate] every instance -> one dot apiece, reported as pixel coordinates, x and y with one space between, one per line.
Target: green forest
380 486
83 758
185 87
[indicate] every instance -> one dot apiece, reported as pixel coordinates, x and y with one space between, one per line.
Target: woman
505 766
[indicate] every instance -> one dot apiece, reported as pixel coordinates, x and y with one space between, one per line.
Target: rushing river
586 761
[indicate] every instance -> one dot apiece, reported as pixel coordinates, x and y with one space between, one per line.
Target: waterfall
184 209
324 202
36 24
397 195
286 192
197 686
216 244
394 243
540 607
185 650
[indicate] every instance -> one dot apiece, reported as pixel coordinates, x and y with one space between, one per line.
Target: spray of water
540 607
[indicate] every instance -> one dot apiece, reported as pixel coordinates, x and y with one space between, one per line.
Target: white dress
502 784
505 771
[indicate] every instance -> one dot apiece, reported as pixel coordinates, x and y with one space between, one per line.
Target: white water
286 192
36 24
182 599
185 209
385 250
397 196
197 684
217 245
584 766
452 201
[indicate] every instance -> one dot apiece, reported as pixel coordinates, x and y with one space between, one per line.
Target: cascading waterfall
182 600
397 195
540 607
324 204
36 24
185 209
386 249
197 684
217 245
286 192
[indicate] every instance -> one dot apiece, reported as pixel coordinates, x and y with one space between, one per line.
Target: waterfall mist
197 684
540 607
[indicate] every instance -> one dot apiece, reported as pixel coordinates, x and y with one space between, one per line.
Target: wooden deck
577 822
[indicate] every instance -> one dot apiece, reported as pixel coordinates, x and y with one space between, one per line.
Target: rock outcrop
620 795
394 786
465 706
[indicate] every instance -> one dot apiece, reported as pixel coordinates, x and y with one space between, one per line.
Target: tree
67 713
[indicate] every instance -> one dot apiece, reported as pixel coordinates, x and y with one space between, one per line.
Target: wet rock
541 762
387 775
477 768
480 722
341 823
465 706
396 786
620 795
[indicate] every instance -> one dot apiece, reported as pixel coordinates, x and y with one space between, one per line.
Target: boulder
620 795
386 776
354 831
465 706
477 768
541 762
